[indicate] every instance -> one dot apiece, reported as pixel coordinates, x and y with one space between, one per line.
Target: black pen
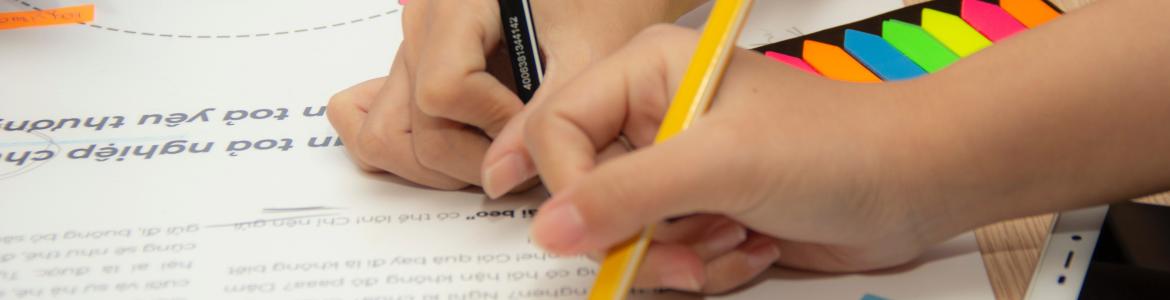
520 39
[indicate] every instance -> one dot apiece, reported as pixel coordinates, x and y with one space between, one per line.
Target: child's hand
448 93
827 175
848 177
816 163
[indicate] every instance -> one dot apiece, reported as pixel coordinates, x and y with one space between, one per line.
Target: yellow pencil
693 98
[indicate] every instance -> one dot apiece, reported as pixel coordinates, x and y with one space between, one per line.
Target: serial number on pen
520 53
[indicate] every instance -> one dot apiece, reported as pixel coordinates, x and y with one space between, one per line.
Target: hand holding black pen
449 93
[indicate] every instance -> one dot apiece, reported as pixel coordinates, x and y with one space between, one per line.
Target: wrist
975 158
933 164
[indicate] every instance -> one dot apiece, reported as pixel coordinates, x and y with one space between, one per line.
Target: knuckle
369 144
337 103
373 145
434 98
497 115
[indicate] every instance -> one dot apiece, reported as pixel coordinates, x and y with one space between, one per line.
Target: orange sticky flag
835 63
37 18
1030 12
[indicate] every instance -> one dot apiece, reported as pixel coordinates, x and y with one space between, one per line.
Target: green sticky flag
923 49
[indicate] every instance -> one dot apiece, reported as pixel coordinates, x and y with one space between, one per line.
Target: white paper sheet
128 170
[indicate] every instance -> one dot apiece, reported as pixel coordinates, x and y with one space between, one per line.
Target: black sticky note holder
836 36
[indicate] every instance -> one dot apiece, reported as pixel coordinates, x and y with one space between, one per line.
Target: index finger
450 71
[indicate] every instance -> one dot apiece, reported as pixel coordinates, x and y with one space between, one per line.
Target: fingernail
559 228
762 254
505 174
724 236
683 281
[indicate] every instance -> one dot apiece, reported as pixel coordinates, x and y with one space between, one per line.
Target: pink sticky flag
792 61
402 2
990 20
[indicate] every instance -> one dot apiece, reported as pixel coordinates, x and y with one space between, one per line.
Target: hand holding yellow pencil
781 154
828 176
699 84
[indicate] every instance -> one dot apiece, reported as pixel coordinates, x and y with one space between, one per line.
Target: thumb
507 163
696 172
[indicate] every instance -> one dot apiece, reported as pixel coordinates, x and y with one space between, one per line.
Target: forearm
1072 114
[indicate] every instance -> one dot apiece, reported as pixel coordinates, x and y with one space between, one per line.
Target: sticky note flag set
912 41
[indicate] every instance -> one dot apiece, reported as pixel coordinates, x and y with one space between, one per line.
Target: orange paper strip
37 18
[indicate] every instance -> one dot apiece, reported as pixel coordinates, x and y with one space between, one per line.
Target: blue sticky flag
880 57
872 297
